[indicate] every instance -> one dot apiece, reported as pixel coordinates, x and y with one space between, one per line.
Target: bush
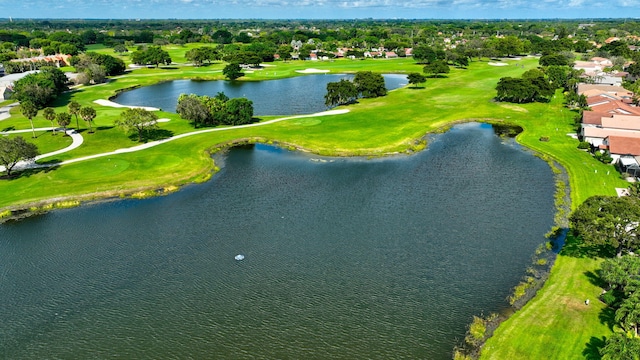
584 145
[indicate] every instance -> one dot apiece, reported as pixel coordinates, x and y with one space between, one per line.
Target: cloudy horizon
319 9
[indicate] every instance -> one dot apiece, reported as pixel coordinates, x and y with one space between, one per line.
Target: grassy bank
556 324
376 127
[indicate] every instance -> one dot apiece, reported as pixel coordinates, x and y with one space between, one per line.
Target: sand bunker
312 71
497 64
116 105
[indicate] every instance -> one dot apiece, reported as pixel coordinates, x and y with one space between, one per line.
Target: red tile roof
622 145
594 117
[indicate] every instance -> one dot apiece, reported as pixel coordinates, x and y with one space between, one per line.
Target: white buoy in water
239 257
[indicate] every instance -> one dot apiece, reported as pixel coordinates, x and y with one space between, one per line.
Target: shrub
584 145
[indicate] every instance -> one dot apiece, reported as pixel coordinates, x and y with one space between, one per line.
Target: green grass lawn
552 325
557 324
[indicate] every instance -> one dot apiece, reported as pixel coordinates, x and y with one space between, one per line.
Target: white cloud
321 8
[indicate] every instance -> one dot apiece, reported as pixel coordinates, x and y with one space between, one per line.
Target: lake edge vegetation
429 54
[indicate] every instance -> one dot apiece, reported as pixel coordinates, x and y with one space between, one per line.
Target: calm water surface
292 96
345 258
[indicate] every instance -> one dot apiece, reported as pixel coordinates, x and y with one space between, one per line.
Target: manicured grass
552 325
557 324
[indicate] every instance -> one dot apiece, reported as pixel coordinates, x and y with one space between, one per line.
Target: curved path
5 111
78 140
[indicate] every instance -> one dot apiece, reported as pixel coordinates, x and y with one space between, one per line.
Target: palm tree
50 115
621 346
64 119
87 113
628 315
74 109
29 110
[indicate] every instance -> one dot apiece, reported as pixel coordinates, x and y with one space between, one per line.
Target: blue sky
319 9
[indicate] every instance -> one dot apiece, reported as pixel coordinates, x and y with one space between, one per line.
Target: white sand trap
163 120
497 64
116 105
267 65
312 71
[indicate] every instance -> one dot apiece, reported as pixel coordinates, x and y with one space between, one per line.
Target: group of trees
622 274
366 84
153 55
217 110
555 72
87 113
94 67
532 86
610 225
40 88
200 55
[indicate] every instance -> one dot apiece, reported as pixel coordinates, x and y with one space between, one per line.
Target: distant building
6 83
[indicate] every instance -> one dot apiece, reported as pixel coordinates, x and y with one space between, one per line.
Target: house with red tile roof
622 145
625 152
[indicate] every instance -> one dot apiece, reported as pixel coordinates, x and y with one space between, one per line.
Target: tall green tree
620 272
621 347
74 109
628 315
436 68
14 150
424 54
138 120
340 93
29 110
369 84
40 88
155 55
232 71
416 78
239 111
87 113
64 119
608 221
50 114
190 107
285 52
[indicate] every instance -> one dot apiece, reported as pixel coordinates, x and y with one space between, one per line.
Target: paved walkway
77 141
76 138
4 111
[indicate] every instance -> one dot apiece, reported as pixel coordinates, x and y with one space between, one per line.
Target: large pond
292 96
345 258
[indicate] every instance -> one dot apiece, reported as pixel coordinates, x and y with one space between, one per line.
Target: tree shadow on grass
437 76
103 128
416 87
592 350
574 247
595 279
608 317
26 173
8 128
152 135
